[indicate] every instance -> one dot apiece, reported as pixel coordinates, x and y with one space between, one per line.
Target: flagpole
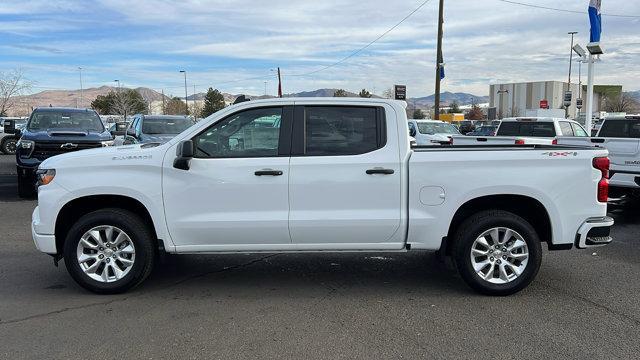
590 76
436 110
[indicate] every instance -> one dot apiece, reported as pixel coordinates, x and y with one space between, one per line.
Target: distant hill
447 98
71 98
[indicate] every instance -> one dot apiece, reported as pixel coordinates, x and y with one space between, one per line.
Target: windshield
437 128
72 120
165 126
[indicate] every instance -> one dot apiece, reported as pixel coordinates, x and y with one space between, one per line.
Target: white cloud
222 41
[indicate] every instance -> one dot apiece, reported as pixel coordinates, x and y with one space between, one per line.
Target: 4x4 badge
68 146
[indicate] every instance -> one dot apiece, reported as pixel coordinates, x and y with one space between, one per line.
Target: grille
47 150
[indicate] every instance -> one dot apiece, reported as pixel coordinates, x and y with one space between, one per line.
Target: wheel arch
529 208
78 207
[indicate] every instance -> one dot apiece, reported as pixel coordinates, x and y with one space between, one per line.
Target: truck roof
56 109
534 119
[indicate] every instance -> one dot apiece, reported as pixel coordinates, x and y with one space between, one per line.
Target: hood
159 138
110 155
66 135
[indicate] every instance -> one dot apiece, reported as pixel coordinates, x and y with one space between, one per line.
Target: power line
564 10
366 46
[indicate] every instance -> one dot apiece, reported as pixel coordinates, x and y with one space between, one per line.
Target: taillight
554 142
519 142
602 164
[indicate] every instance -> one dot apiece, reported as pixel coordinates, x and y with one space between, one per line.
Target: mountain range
72 98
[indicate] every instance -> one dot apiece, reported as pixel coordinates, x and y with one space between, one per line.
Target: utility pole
279 84
572 33
163 111
439 61
186 102
81 94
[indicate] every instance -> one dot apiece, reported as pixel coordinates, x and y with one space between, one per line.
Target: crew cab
527 130
318 175
620 134
431 132
52 131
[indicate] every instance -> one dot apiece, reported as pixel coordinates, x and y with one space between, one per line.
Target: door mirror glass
119 129
184 154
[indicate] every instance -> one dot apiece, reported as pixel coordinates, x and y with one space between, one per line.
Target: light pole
572 33
81 94
439 61
186 102
117 85
265 88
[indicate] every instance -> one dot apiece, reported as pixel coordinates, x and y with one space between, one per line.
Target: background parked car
8 138
486 130
155 128
431 132
467 126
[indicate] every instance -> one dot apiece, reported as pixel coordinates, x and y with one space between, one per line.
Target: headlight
25 144
45 176
108 143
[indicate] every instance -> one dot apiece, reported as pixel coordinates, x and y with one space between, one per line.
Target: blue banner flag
596 20
441 72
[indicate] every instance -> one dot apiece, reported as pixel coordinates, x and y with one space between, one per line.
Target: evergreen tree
213 101
364 93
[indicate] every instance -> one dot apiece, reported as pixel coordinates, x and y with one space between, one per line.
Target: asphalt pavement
583 304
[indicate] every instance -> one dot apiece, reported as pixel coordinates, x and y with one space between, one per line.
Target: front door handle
268 172
380 171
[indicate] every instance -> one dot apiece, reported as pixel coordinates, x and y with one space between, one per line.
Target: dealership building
516 98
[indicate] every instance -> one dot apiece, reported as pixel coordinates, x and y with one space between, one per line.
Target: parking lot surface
583 304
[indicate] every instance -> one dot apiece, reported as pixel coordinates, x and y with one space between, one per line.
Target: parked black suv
52 131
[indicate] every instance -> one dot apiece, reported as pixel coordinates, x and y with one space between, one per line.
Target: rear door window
565 128
341 130
579 130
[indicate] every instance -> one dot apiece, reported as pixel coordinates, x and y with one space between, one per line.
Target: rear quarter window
620 129
531 129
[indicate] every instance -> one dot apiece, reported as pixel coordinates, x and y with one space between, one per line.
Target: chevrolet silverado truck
527 130
620 134
52 131
303 175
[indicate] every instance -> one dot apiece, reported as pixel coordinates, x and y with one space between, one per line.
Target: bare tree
12 84
622 103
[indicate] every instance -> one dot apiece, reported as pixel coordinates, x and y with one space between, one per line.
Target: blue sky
223 43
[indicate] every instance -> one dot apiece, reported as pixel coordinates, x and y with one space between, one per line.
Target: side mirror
131 132
121 129
184 154
412 132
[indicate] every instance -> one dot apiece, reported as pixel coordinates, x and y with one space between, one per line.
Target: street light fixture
186 101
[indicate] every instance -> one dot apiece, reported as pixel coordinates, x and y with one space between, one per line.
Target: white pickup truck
317 175
527 130
620 134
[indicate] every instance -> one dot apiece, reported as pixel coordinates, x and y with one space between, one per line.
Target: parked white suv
528 130
620 134
318 174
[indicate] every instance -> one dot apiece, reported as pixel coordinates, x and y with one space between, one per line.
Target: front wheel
8 145
497 252
109 251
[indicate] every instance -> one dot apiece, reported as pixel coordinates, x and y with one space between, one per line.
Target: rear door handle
268 172
380 171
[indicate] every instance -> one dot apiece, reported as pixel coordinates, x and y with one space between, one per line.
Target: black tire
26 186
475 226
8 145
138 232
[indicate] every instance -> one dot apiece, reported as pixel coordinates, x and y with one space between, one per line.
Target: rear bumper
594 232
43 242
626 179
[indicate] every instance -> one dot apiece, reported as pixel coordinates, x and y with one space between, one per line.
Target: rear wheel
497 252
8 145
109 251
